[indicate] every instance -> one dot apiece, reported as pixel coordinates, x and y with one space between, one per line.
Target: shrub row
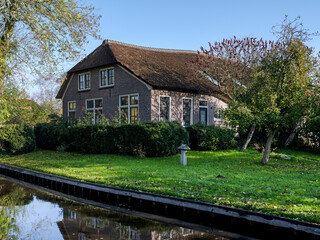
16 139
153 139
203 137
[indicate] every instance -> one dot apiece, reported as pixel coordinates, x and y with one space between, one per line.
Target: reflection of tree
12 195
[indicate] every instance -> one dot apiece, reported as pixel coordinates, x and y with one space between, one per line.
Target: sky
186 24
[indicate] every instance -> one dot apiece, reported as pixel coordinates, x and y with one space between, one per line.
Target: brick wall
125 83
177 105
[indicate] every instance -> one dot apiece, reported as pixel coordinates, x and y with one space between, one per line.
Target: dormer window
84 81
107 77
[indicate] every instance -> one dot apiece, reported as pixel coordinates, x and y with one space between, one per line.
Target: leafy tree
38 33
49 84
286 88
19 109
230 65
277 85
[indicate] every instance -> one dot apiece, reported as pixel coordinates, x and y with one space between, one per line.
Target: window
218 114
107 77
84 81
203 112
187 112
72 109
94 109
164 108
129 107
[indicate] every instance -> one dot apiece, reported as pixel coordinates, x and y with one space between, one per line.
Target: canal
28 213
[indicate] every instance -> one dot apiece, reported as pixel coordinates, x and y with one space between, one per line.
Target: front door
203 115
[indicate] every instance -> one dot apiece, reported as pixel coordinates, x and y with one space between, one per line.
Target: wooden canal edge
211 216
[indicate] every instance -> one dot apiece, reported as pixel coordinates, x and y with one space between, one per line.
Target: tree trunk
5 39
291 137
246 143
267 149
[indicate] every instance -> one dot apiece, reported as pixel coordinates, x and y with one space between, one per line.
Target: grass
289 188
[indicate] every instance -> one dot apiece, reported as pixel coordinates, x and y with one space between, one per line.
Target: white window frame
207 107
214 114
94 107
129 105
107 85
84 89
191 111
75 110
169 118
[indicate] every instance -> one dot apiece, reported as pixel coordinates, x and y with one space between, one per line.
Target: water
27 213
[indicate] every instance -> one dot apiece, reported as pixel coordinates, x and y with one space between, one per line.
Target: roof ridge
107 41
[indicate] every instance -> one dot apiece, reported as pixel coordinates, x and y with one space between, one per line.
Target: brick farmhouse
145 84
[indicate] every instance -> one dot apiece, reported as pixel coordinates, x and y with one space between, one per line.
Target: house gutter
248 223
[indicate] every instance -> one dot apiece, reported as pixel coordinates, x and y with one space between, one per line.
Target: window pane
124 100
124 115
87 80
134 100
81 81
110 76
133 114
72 105
103 78
218 113
98 115
98 103
203 103
186 112
90 104
164 108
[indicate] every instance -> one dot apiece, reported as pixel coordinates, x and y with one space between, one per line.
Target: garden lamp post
183 148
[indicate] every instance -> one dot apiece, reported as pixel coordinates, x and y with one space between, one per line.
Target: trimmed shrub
91 138
203 137
153 139
51 135
16 139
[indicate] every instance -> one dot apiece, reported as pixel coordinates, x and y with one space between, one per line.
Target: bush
51 135
153 139
16 139
308 138
203 137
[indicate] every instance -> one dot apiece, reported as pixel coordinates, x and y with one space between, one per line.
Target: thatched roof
160 68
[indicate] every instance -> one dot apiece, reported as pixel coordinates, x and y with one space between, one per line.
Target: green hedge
203 137
51 135
153 139
16 139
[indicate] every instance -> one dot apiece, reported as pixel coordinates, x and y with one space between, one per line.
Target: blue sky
186 24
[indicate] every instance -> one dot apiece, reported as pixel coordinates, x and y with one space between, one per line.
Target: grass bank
289 188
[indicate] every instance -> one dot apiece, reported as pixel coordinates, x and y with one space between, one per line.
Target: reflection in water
26 213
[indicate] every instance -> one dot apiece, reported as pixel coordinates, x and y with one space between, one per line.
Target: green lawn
288 188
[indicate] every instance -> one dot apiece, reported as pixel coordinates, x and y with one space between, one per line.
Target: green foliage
151 139
203 137
308 138
37 35
16 139
17 108
51 135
